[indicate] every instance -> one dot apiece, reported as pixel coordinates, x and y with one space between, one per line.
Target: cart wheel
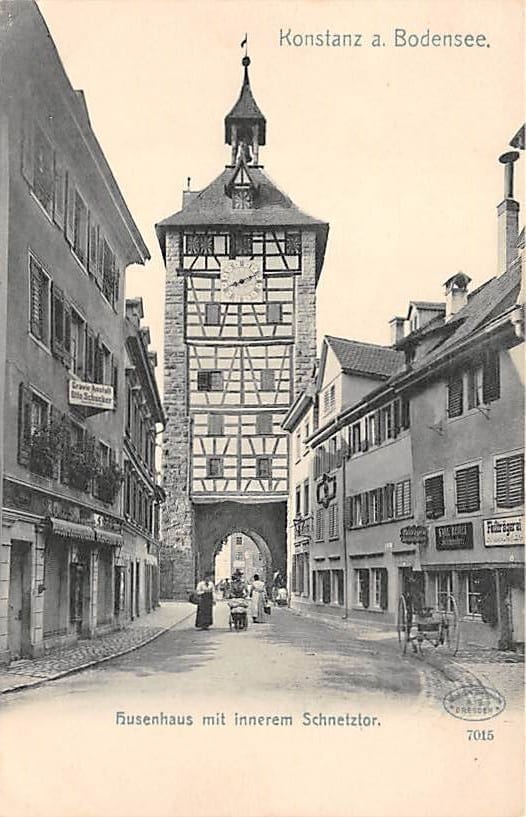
452 627
402 625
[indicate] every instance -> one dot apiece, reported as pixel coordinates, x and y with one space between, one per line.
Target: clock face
241 280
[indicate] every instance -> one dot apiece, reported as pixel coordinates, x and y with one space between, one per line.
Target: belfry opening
242 265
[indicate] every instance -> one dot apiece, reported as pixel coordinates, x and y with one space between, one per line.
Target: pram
238 613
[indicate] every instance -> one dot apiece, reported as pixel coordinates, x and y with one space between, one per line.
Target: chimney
188 195
397 330
456 289
507 216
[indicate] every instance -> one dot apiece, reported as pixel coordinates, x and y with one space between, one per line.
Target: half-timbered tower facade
242 266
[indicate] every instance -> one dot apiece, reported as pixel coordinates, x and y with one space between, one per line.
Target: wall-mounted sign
454 537
91 395
508 530
326 490
414 535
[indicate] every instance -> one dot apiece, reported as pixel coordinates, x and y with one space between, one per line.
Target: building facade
137 570
242 265
414 484
68 237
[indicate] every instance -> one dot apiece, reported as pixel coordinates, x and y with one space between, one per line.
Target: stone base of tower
177 573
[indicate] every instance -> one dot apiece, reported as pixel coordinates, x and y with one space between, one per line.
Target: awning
70 530
108 537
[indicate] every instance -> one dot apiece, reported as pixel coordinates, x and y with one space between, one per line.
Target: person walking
205 594
258 598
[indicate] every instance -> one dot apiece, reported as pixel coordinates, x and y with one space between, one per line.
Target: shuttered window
320 526
216 425
509 481
44 174
212 314
263 423
60 326
405 414
333 520
39 288
455 401
214 467
491 377
263 467
402 500
274 313
434 496
468 489
268 377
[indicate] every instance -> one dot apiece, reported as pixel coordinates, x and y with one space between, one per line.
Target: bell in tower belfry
245 125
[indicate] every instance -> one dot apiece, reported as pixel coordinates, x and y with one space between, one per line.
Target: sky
396 147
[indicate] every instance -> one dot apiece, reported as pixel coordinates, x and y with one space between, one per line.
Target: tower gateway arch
242 264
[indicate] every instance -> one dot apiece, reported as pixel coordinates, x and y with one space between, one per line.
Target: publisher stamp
474 703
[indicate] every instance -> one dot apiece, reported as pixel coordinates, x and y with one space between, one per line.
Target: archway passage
264 523
244 554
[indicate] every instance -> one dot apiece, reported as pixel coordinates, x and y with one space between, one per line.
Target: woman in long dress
258 598
205 594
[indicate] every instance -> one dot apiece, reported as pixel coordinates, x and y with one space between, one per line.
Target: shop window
455 396
481 598
214 467
216 425
379 588
509 481
39 297
337 587
444 588
362 587
263 423
209 380
212 314
333 520
434 496
467 482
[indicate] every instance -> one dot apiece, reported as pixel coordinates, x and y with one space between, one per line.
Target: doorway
18 628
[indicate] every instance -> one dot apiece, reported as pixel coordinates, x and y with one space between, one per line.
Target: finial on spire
245 44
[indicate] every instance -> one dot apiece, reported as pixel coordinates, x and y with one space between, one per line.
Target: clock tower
242 265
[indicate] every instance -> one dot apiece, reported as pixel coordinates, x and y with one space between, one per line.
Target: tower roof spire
245 114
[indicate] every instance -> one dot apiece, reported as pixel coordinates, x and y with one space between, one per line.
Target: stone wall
177 556
305 315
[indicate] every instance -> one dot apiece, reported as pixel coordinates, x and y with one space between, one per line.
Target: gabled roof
212 207
368 359
491 299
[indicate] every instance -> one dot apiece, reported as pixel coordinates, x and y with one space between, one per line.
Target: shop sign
91 395
507 530
414 535
454 537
